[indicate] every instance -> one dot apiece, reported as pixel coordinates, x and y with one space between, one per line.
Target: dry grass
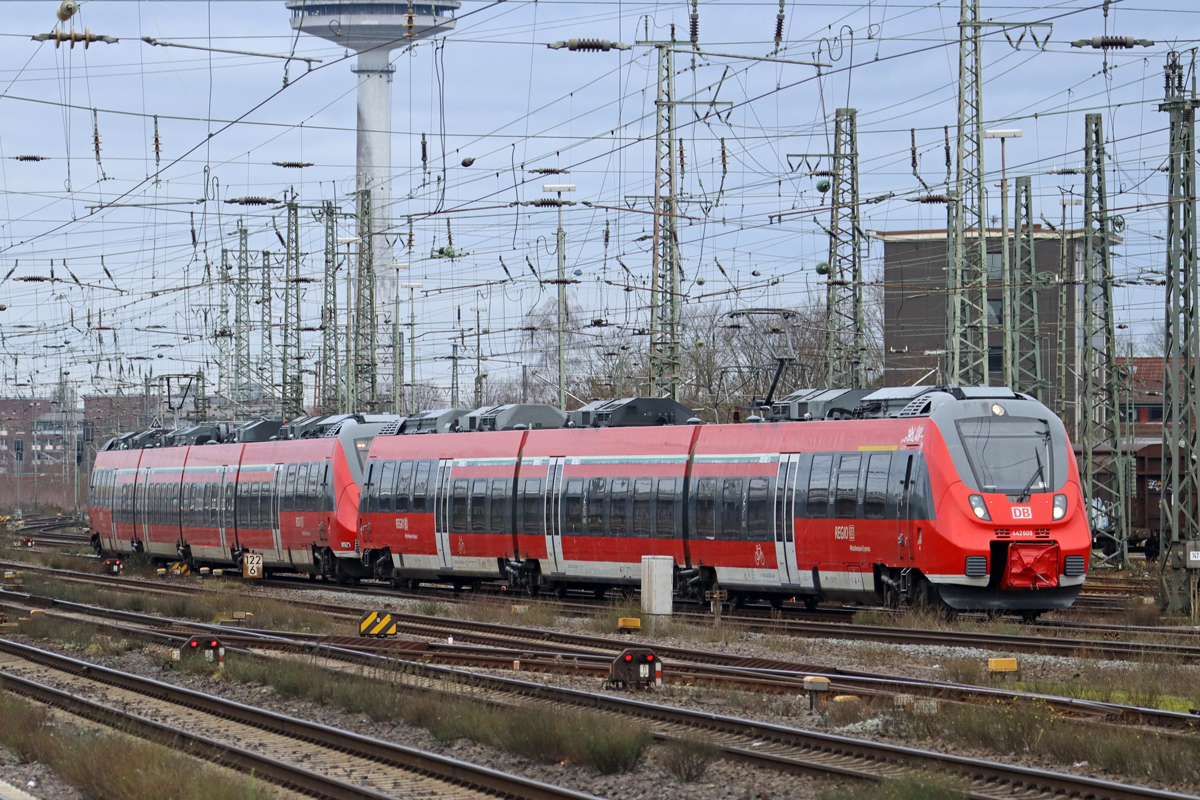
507 611
203 607
687 760
604 743
114 767
928 786
1035 729
1169 684
605 621
74 635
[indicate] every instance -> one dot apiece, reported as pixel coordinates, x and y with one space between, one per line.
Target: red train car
294 502
967 497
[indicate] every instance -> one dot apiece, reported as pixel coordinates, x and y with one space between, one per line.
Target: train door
554 520
274 490
228 507
441 515
785 519
904 534
141 506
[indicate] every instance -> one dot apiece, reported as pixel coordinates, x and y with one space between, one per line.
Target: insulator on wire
449 234
779 20
694 23
724 158
157 146
411 236
605 234
424 153
913 147
96 142
682 156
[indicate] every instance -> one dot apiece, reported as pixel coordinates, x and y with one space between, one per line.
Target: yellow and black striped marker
377 623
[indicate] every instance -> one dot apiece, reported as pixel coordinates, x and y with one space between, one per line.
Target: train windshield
1009 455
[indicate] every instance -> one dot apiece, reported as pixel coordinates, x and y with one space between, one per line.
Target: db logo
759 558
1022 512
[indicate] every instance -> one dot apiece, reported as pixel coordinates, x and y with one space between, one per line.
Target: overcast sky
492 91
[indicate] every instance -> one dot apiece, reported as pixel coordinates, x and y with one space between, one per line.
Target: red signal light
213 643
628 657
650 656
195 643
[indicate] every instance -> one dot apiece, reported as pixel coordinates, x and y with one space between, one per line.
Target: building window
995 309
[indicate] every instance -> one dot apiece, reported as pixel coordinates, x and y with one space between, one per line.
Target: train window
264 505
641 507
498 512
758 510
732 525
387 486
458 506
479 506
299 499
531 508
573 507
879 465
664 510
420 487
818 487
1008 455
706 508
846 502
368 497
597 488
289 486
403 485
618 503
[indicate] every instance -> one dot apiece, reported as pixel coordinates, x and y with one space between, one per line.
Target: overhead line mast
1180 526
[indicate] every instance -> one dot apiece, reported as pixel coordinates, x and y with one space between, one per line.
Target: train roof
800 405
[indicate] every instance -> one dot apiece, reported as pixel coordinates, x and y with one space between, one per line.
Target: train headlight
1060 506
979 507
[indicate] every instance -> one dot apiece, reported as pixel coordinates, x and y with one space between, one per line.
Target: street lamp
559 188
1006 318
412 342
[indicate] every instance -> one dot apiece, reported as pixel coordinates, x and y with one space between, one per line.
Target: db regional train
966 497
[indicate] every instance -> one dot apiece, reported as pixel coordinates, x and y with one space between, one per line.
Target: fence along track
337 764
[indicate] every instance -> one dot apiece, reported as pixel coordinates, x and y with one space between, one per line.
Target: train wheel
599 594
777 603
811 602
1030 617
561 591
414 585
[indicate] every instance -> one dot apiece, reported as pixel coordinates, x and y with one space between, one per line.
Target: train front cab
1011 531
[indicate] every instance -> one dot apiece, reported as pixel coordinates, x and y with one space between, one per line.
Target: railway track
763 745
317 759
1041 645
488 646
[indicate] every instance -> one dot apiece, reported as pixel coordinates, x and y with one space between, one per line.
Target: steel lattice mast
968 336
664 301
1027 344
364 379
1181 368
241 321
1100 376
844 335
224 332
330 373
266 347
292 397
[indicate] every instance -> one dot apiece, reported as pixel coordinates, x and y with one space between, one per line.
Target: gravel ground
723 781
37 779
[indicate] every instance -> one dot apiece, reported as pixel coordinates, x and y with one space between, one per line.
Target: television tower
373 29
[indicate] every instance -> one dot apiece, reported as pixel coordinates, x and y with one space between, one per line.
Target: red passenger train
964 496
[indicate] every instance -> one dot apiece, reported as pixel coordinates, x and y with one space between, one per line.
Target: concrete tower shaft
373 29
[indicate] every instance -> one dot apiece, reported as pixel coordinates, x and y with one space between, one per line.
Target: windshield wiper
1024 496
